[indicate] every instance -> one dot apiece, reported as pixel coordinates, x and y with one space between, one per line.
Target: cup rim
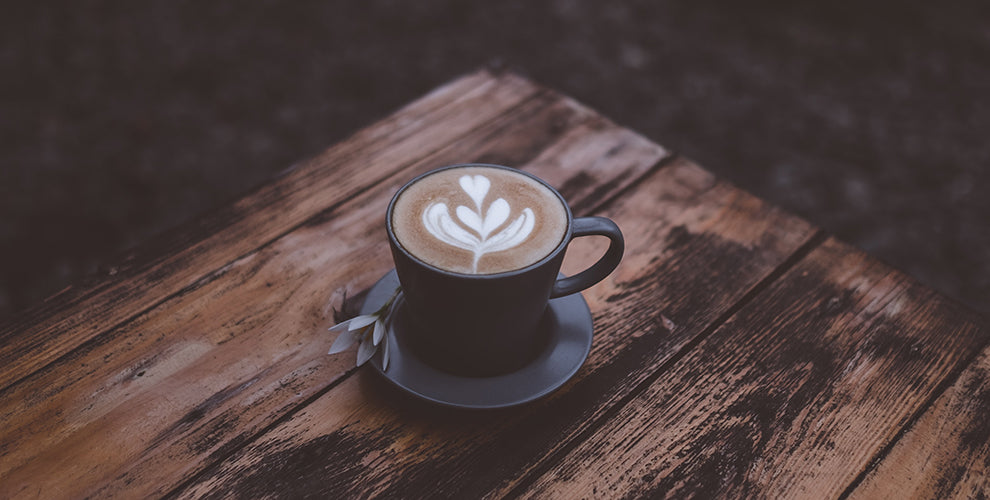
504 274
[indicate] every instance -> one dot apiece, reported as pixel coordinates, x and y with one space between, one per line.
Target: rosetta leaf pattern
472 231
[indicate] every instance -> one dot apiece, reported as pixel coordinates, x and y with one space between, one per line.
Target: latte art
446 220
438 222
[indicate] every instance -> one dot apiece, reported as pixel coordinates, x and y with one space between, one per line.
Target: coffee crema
478 220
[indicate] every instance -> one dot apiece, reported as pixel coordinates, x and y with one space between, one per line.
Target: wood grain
792 397
738 352
695 246
179 260
193 379
946 453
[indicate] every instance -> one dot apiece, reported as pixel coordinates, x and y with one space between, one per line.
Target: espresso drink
478 220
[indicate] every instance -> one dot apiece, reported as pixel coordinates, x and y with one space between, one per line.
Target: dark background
120 120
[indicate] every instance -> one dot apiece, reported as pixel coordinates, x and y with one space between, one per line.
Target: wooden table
739 350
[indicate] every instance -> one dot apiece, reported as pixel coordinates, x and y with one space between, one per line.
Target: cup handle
588 226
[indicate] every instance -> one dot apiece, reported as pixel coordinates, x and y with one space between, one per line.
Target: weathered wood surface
182 384
792 397
946 453
736 350
695 246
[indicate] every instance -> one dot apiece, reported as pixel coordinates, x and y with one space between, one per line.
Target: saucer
568 344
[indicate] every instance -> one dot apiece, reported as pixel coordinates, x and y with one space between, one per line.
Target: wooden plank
190 381
178 260
695 246
792 397
946 453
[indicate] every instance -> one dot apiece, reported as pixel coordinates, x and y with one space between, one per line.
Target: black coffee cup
490 324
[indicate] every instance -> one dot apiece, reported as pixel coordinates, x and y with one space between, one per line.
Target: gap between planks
565 473
922 409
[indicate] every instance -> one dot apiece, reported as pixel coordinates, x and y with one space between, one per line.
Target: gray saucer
569 341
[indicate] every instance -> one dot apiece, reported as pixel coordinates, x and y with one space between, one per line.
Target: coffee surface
478 220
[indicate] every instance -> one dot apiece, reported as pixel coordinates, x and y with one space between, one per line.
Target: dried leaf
340 327
379 332
362 321
343 341
365 351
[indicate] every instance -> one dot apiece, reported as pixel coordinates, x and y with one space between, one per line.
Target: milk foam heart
524 221
476 187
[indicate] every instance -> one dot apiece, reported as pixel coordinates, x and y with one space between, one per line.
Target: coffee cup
477 251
